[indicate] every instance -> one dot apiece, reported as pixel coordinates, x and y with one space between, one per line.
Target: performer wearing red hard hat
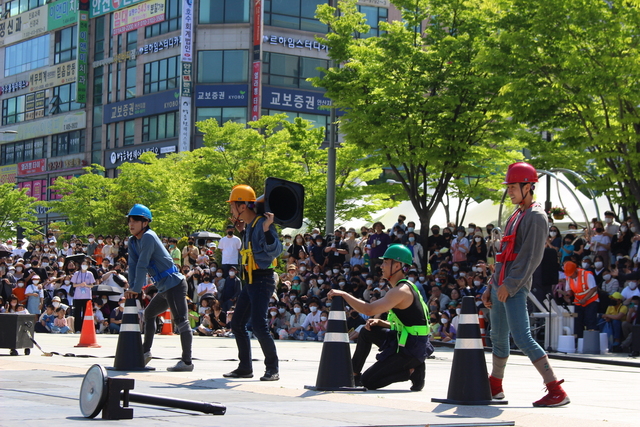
520 254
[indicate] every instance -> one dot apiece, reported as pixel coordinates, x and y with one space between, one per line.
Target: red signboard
257 23
32 167
256 76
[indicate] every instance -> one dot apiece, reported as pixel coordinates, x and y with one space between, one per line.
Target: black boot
417 377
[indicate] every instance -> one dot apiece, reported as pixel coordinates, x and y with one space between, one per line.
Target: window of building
161 75
290 71
22 151
129 132
162 126
130 77
223 66
295 14
317 120
67 143
64 99
373 15
66 45
172 20
16 7
222 115
25 56
223 11
98 46
24 107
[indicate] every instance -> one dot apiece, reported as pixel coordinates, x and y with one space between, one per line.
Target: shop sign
32 167
222 95
143 106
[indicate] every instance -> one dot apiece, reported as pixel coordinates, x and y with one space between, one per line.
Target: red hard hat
521 172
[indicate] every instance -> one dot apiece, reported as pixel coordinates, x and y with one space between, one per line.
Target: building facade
103 81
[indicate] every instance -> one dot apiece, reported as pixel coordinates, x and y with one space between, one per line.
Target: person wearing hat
616 313
581 285
403 338
522 249
261 248
147 255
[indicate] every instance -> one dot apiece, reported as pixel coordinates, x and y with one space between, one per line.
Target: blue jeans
512 316
252 305
616 328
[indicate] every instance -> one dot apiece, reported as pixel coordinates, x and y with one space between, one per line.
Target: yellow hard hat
242 193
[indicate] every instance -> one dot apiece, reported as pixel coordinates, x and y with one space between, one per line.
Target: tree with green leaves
574 68
421 102
276 146
16 210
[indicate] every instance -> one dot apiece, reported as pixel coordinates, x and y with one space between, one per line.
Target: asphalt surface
36 390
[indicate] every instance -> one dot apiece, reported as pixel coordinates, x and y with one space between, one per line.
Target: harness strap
403 330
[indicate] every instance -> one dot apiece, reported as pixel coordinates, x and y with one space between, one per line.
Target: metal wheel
93 392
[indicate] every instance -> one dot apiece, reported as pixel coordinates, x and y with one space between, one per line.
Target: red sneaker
496 388
556 396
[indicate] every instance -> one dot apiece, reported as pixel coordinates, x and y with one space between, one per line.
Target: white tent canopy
563 194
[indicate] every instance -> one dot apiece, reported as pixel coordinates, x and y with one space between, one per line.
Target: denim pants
252 305
512 317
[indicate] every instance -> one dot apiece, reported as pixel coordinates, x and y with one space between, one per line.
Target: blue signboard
300 101
222 95
142 106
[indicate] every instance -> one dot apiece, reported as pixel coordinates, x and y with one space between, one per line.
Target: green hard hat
400 253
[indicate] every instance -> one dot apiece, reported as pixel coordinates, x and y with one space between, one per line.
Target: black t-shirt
438 241
339 258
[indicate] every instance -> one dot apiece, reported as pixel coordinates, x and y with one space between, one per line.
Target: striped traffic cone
129 353
469 381
336 371
483 330
167 325
88 336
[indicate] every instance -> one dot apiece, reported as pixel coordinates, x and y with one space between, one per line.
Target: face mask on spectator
607 277
463 274
232 274
455 268
313 308
296 310
608 220
219 274
477 282
341 284
21 284
586 265
553 233
633 285
67 282
55 304
84 267
623 228
369 282
323 318
460 235
598 264
100 241
91 240
633 229
274 313
412 239
356 252
281 310
303 268
19 269
444 321
320 281
35 281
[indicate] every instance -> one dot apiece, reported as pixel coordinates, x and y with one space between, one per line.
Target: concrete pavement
35 390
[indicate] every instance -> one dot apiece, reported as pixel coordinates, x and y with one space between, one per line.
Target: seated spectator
296 320
630 290
308 327
355 323
627 325
45 322
609 283
115 318
447 331
60 323
194 316
435 326
615 315
100 323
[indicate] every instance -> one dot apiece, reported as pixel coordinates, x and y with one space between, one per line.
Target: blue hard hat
140 210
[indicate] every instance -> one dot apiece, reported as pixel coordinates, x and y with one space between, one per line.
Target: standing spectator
35 296
416 250
460 247
612 226
337 252
190 253
230 246
351 242
436 241
82 281
174 251
318 256
295 249
601 244
581 284
478 250
398 225
378 242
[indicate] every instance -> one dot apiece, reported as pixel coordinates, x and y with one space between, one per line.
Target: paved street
35 390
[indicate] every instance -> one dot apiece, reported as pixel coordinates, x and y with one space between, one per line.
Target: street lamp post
331 161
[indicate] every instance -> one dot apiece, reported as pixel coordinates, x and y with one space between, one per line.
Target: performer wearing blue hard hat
147 255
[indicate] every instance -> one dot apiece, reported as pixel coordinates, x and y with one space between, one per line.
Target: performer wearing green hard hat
403 339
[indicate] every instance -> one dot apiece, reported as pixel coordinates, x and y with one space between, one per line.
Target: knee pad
183 327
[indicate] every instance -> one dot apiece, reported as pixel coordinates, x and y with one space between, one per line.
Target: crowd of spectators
54 280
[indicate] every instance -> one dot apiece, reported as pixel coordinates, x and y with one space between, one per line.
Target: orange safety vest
580 287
